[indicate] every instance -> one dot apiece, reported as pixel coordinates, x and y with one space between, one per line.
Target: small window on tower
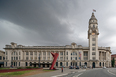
93 39
93 26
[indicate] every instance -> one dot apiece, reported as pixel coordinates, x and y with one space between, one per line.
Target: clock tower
93 38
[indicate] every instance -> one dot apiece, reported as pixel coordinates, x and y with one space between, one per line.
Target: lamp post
39 60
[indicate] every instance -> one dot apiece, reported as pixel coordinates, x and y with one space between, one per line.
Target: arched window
16 53
71 53
12 53
26 64
19 53
30 64
60 63
66 63
19 63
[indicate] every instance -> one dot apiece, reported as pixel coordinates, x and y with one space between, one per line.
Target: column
29 55
50 55
82 55
101 56
63 55
41 55
46 55
59 55
33 55
25 55
37 55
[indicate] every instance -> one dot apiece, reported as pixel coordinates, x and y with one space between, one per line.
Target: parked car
71 67
77 67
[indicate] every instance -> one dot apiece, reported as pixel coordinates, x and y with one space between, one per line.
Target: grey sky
56 22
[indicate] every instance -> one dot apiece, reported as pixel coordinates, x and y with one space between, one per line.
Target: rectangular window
67 53
31 58
16 58
93 58
6 52
27 53
66 63
19 57
44 58
85 53
61 53
26 58
35 53
93 44
6 57
93 48
61 58
11 58
93 39
31 53
85 58
48 53
44 53
0 57
75 58
93 53
19 53
71 58
35 58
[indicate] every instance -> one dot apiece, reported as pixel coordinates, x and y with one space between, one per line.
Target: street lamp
39 60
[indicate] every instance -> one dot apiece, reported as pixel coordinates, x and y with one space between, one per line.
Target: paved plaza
58 72
96 72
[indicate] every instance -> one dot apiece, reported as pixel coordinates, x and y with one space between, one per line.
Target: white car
104 67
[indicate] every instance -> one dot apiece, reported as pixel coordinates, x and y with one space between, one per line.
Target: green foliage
14 73
4 68
29 67
20 68
113 62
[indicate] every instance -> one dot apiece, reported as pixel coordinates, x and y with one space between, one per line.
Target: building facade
2 58
22 56
114 56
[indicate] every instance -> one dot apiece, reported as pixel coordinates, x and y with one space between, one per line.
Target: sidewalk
57 72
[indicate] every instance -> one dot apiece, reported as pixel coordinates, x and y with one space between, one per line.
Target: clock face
93 33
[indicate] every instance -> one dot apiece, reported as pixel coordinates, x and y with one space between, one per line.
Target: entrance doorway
93 64
85 63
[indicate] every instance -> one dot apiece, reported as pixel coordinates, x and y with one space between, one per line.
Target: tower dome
93 19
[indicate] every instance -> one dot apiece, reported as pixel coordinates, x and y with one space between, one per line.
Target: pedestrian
62 69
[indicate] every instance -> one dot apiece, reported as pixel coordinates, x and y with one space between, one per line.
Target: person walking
62 69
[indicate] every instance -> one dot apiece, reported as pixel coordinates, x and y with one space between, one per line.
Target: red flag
94 10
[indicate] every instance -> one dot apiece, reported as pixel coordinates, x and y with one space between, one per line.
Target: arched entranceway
57 64
60 63
100 64
93 64
34 64
43 64
85 63
103 63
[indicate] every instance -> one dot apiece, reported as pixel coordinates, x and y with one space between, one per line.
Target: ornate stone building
2 58
22 56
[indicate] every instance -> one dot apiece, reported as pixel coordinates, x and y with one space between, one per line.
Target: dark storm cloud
53 22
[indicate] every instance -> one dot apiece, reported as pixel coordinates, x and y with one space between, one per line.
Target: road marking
60 75
82 70
79 74
110 72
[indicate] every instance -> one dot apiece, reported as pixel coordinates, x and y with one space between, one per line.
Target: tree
113 62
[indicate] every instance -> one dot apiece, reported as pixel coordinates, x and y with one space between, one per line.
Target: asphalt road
99 72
